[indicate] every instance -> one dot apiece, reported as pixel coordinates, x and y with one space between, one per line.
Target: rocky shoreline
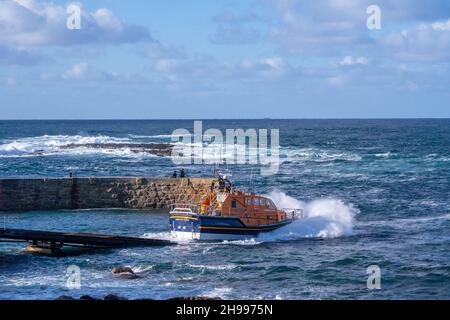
127 273
159 149
116 298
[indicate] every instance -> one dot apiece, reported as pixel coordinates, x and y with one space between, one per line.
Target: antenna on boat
221 154
250 180
217 162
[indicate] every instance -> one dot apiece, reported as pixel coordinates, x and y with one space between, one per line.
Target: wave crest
49 144
323 218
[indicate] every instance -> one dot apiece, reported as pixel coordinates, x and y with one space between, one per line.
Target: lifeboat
228 214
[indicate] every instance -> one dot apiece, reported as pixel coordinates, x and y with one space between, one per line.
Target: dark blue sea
373 192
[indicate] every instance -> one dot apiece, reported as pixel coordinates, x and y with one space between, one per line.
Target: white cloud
336 81
84 71
32 23
107 20
427 42
200 71
9 81
77 71
19 56
166 65
274 62
327 27
334 31
350 61
338 28
441 26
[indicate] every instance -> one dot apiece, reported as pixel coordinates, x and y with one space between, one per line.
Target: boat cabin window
248 201
234 204
262 202
271 204
256 201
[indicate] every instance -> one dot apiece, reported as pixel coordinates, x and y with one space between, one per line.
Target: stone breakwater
100 192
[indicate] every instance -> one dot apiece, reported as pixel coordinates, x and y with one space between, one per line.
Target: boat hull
206 228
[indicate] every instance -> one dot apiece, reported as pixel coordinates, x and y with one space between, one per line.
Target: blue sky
224 59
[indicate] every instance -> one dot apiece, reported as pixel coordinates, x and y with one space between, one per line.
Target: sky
200 59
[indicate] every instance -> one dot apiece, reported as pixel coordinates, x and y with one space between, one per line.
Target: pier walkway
49 239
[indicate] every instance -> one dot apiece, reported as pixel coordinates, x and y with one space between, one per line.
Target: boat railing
212 210
292 213
183 208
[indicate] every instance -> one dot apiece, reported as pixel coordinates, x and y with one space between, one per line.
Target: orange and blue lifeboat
229 216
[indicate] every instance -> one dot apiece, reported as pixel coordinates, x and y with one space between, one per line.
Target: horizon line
202 119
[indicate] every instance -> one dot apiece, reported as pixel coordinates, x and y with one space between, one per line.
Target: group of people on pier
182 174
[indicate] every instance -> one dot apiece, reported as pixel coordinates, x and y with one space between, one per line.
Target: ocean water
374 192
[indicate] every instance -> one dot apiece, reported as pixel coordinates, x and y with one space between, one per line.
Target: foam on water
212 267
157 136
246 242
385 155
141 268
165 236
317 155
158 235
219 292
323 218
287 154
49 144
53 144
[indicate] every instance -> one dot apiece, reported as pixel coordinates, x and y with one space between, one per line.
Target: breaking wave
54 144
157 136
317 155
142 268
323 218
212 267
48 145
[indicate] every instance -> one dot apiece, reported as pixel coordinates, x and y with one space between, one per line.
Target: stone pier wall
105 192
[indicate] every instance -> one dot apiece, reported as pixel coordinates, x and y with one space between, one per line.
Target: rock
113 297
140 181
159 149
117 270
124 273
194 298
128 276
86 297
65 298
